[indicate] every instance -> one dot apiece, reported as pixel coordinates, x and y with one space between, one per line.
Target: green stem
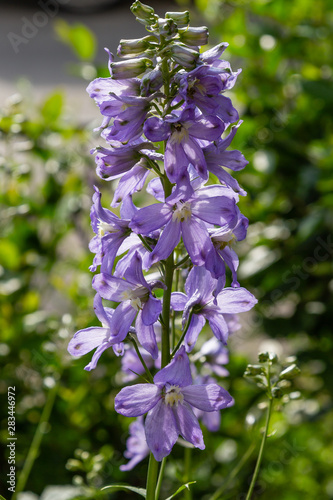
187 471
145 244
37 439
160 479
218 493
261 451
183 336
151 477
149 375
168 279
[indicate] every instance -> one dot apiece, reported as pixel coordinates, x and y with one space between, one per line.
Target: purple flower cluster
164 113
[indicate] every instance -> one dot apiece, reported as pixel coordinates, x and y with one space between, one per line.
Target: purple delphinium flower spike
136 445
88 339
169 402
199 299
136 301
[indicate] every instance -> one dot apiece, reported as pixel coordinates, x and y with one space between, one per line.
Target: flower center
104 227
173 396
182 212
179 133
225 239
137 297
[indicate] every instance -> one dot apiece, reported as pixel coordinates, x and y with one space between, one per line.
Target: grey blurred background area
30 50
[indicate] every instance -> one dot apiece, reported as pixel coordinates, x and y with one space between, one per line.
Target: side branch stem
261 451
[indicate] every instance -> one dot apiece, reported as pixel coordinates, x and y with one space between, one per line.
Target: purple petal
169 239
231 259
178 301
161 430
156 129
151 310
146 336
226 178
235 300
99 310
217 323
131 182
196 325
86 340
150 218
199 281
176 161
209 397
219 210
196 240
188 425
110 287
122 319
177 372
134 274
155 188
195 156
136 400
234 160
214 264
209 128
226 111
97 354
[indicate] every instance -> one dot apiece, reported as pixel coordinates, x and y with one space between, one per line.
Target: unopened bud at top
182 19
144 13
136 46
130 68
194 36
290 372
167 27
184 55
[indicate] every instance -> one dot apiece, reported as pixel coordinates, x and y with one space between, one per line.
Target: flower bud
133 47
184 56
277 392
151 82
252 370
194 36
182 19
263 357
144 13
290 372
167 27
130 68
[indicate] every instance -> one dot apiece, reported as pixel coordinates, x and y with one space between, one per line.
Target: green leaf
2 498
52 107
181 489
81 40
139 491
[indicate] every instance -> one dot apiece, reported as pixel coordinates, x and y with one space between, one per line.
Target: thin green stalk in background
261 451
36 442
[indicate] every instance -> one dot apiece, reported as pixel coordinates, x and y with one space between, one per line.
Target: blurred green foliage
284 95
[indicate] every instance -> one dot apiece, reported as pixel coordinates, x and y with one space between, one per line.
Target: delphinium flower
167 125
169 402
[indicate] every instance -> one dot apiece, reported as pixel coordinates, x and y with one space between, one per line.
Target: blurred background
50 50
